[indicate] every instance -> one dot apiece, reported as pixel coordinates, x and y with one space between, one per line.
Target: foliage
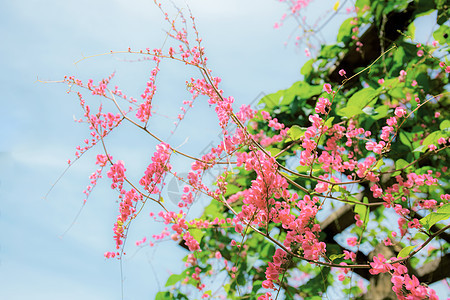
374 144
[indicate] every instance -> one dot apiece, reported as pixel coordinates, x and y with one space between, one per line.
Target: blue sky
39 258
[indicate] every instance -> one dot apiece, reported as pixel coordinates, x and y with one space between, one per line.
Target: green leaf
361 4
357 102
345 31
349 111
379 164
422 80
381 112
299 89
307 67
432 138
363 212
274 151
213 209
411 30
305 90
405 251
421 148
329 122
400 164
251 259
316 284
336 256
369 111
424 7
174 278
163 296
296 132
445 125
197 234
360 210
443 213
330 51
362 97
267 250
441 35
271 100
405 139
443 14
354 199
397 93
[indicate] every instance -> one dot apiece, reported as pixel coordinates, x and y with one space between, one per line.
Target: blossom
321 187
379 265
322 104
307 52
359 222
352 241
400 112
327 88
402 76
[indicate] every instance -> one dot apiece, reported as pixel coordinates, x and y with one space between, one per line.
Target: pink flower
322 104
414 224
411 282
420 53
402 76
265 115
380 81
391 121
359 222
387 242
349 255
191 242
400 112
321 187
342 72
351 241
379 265
307 53
327 88
102 160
